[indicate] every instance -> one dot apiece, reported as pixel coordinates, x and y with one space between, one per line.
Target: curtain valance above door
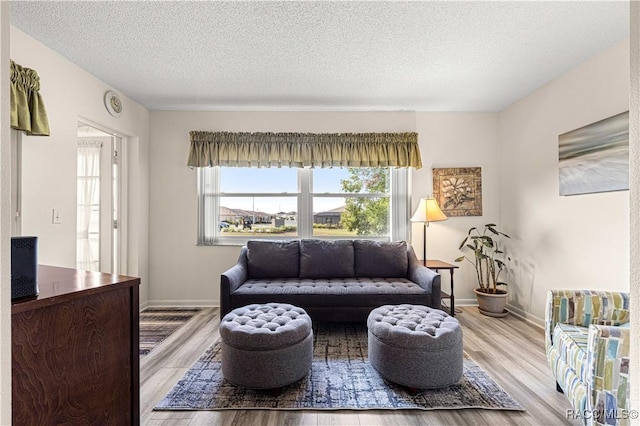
27 107
304 149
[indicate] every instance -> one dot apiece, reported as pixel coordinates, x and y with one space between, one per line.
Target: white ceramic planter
492 304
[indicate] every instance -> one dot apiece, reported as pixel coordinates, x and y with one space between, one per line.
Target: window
237 204
88 195
350 202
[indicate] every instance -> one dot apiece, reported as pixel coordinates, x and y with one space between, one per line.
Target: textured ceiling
426 56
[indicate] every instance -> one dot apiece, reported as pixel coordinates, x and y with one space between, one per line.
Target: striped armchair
587 344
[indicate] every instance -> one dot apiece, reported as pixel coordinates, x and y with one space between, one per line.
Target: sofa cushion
326 259
380 258
336 293
273 259
338 286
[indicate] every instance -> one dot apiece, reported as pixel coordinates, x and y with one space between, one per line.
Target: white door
99 193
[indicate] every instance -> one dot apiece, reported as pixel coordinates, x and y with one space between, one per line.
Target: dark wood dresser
75 350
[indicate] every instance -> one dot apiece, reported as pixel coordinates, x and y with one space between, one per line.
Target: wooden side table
436 265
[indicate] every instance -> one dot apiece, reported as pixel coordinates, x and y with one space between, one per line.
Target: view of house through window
362 211
293 203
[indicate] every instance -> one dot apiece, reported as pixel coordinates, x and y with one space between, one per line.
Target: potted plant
489 261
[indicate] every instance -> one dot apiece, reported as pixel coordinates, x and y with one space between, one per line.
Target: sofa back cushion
273 259
380 259
326 259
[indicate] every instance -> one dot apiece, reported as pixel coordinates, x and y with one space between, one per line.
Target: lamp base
424 243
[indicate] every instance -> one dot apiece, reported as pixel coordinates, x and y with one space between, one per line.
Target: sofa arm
583 308
608 371
430 281
425 278
231 279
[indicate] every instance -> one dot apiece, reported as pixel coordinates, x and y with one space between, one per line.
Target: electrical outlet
55 218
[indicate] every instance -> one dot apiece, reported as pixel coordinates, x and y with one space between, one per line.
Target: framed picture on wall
595 158
458 190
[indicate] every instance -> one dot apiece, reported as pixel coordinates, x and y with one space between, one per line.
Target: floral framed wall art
458 190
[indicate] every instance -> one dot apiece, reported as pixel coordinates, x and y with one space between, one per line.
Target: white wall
634 141
579 241
5 220
183 273
456 140
49 163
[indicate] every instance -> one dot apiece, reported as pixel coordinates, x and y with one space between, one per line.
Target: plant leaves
460 259
463 243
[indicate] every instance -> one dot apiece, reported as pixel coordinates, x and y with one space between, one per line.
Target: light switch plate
55 218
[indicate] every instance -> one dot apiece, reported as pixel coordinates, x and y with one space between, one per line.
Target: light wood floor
510 349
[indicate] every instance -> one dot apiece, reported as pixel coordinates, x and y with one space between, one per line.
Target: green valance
27 108
304 149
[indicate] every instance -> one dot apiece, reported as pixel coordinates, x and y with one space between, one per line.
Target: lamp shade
428 211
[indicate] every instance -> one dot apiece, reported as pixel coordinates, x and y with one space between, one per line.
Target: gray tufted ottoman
415 346
266 346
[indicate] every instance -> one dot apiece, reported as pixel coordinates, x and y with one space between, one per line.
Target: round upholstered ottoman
415 346
266 346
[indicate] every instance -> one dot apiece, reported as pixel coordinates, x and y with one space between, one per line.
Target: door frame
120 141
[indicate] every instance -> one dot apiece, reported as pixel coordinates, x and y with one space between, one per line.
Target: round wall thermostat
113 103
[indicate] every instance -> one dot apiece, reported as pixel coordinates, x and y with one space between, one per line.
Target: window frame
398 194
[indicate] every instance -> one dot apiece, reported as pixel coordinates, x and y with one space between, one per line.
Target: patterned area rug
340 378
158 324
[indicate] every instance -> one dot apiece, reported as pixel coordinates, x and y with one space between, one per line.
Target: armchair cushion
572 347
608 369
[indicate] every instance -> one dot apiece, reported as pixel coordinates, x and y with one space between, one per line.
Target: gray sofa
333 280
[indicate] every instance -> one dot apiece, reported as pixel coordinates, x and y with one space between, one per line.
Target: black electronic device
24 267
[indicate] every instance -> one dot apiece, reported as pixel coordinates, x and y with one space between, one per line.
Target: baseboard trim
531 319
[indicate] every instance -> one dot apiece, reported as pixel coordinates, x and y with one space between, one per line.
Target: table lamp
427 211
